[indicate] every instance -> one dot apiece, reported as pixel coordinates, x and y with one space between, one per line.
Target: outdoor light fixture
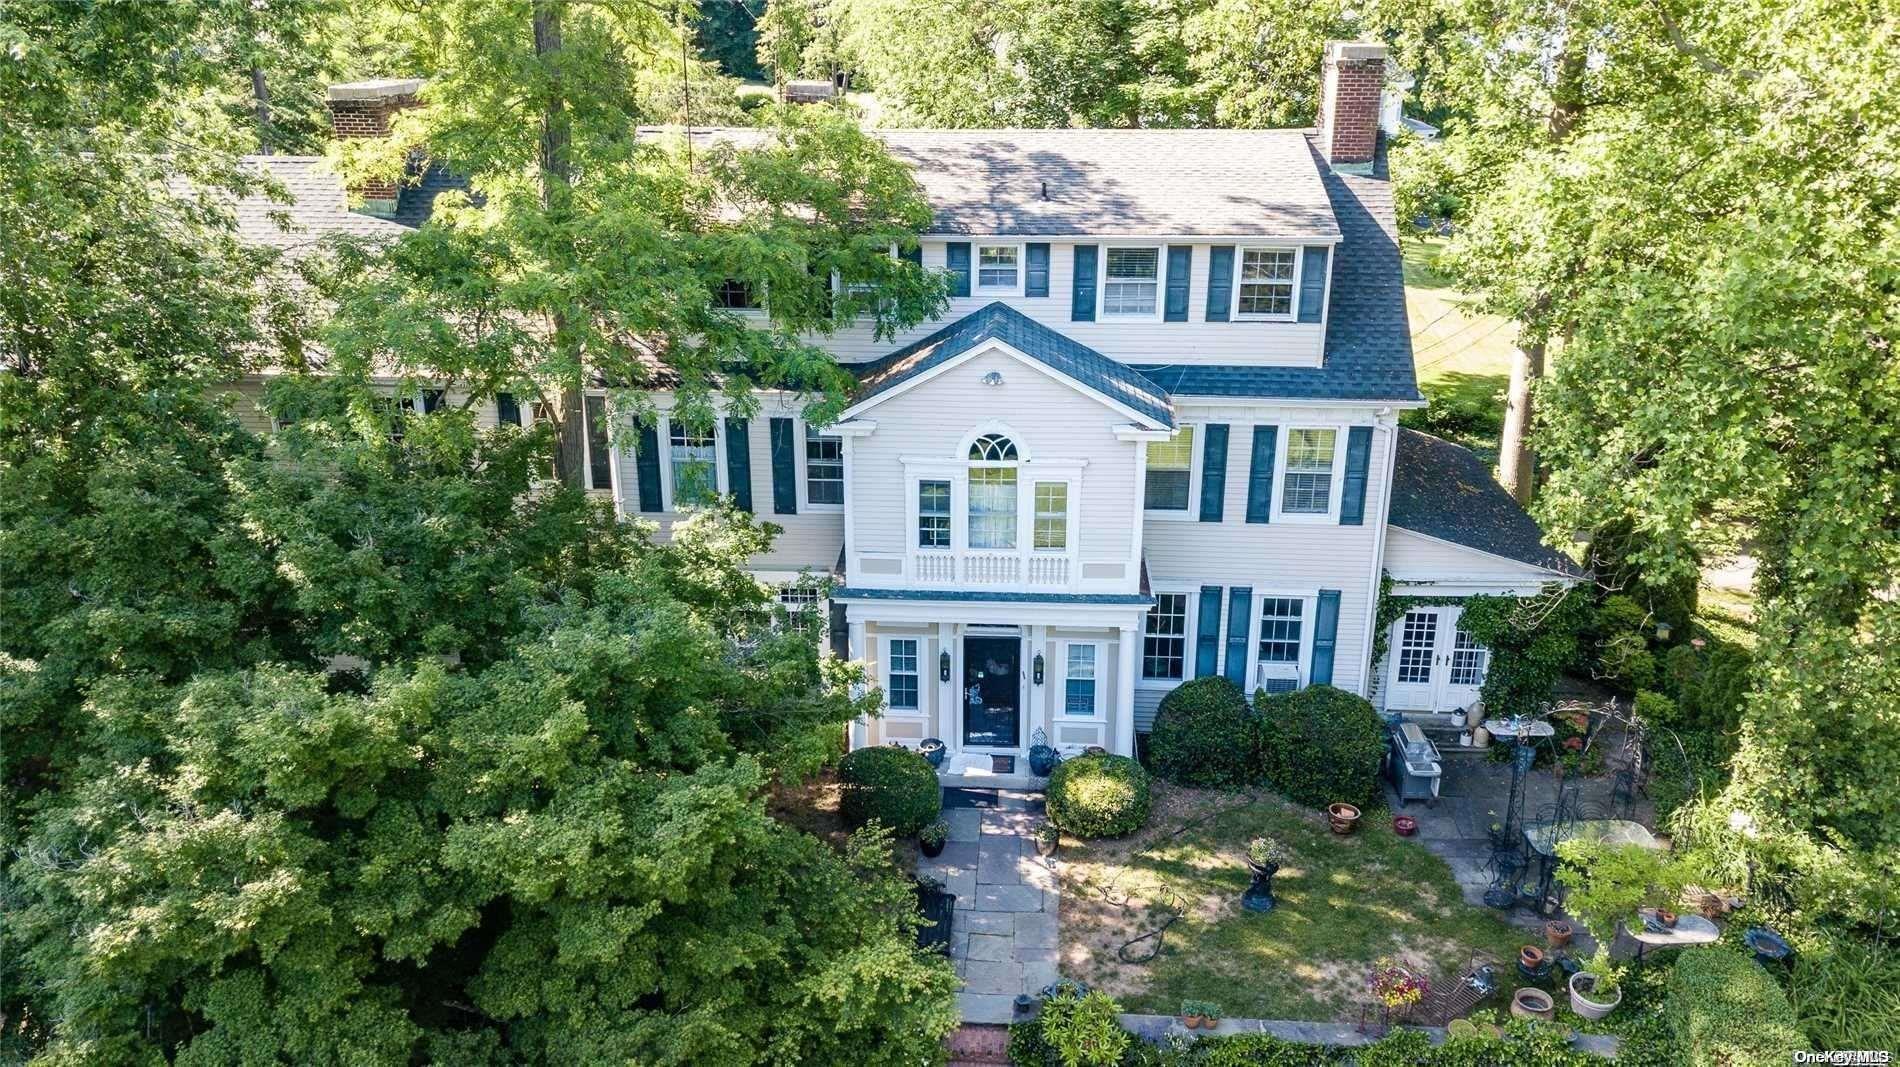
943 665
1038 668
994 377
1662 631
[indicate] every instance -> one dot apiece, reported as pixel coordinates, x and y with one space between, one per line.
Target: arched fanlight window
992 448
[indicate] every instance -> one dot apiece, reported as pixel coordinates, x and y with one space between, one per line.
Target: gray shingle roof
1446 491
1368 353
987 597
320 206
999 321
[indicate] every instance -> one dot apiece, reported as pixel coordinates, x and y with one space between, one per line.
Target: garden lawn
1463 356
1344 902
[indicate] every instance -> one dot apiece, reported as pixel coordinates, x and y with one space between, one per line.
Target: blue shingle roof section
1000 322
1368 354
1446 491
965 596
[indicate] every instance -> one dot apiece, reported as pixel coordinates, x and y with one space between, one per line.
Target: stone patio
1003 938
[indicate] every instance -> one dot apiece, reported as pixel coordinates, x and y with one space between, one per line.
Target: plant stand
1259 896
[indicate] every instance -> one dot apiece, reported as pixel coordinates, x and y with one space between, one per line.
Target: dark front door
992 687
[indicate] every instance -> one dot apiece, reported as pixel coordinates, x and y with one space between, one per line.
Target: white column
860 730
1127 639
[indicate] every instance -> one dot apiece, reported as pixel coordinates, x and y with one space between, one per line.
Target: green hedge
895 786
1098 796
1728 1012
1202 734
1319 745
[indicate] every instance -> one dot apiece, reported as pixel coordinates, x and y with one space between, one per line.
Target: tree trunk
556 175
1517 463
260 92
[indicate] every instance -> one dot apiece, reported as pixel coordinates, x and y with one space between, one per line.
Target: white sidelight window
824 468
1052 516
900 688
1266 282
1078 688
1164 638
692 455
1309 472
998 268
1170 466
933 513
1131 285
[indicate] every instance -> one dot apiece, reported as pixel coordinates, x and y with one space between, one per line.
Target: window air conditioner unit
1277 677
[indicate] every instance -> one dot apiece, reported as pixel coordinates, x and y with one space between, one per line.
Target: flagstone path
1003 938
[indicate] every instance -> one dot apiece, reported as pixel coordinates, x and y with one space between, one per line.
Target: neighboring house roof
1368 353
1446 491
320 204
1000 322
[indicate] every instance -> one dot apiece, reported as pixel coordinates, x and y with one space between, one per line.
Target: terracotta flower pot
1528 1003
1404 825
1558 933
1342 817
1531 957
1193 1021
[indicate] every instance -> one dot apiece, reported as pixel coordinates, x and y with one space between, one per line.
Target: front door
992 692
1436 665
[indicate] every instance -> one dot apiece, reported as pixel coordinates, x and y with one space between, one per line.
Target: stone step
973 1043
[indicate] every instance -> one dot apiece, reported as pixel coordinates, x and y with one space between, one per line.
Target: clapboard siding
1196 341
246 399
1418 559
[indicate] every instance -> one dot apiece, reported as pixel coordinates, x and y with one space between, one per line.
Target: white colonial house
1154 437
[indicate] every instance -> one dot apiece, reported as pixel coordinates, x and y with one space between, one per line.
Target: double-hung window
1131 285
1280 619
824 468
1052 516
800 603
734 295
691 453
933 514
1078 687
1266 282
1309 472
998 268
900 677
1169 465
1164 638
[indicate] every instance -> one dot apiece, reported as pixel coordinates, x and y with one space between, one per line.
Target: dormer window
1266 283
1132 286
999 269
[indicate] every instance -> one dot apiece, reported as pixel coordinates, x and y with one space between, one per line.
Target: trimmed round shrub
1726 1010
895 786
1319 745
1200 734
1098 796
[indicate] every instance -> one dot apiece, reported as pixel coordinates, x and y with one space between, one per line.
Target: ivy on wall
1532 639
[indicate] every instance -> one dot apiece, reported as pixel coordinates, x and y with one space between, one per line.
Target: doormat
970 798
1003 764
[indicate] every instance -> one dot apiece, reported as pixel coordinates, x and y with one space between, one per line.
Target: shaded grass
1463 356
1344 903
1727 614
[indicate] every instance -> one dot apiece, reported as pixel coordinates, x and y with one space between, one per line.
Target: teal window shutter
1352 497
1213 470
1220 282
1180 261
1082 303
1313 284
1260 475
913 254
1239 615
646 460
956 256
1207 634
784 468
1325 635
739 463
1036 277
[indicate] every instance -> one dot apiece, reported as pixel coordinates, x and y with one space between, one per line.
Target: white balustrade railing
981 567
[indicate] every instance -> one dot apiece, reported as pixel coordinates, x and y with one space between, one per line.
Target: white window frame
891 711
1335 490
665 442
916 482
977 288
1309 619
802 431
1068 515
1161 284
1193 509
1188 607
1062 713
1293 305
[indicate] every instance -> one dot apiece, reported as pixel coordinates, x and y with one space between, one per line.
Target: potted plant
1342 816
932 837
1395 988
1608 885
1042 756
1048 836
1265 857
1404 825
1558 933
1198 1013
931 749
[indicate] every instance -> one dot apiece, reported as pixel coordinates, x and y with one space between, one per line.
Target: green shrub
1201 734
1846 994
1711 698
1084 1031
895 786
1728 1012
1098 796
1319 745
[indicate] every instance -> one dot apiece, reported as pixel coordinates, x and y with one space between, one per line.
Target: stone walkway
1003 940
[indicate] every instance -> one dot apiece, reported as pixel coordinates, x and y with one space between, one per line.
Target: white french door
1435 664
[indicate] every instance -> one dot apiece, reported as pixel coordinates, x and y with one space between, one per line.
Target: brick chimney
1350 86
365 109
